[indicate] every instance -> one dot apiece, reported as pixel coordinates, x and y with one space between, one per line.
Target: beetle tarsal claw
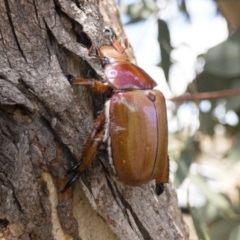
159 188
74 168
70 183
70 78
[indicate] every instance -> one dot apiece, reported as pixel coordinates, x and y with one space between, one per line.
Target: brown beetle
134 122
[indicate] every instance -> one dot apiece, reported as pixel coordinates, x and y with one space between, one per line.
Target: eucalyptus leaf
183 8
235 234
215 198
199 224
233 103
210 212
207 123
165 46
207 82
185 160
224 59
234 153
140 11
223 228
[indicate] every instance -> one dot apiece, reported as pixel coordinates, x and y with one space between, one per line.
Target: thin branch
206 95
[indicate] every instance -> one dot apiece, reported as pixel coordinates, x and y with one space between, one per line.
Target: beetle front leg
95 85
90 149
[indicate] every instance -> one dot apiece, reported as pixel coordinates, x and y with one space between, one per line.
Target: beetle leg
99 124
71 182
163 178
90 149
96 86
159 188
74 168
118 46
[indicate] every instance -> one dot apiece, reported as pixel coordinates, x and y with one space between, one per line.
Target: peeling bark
44 123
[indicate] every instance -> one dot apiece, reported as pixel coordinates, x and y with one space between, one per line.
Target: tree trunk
44 123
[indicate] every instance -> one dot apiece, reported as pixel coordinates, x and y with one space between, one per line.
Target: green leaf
207 122
183 8
234 152
233 103
223 228
207 82
224 59
215 198
199 224
185 160
235 234
238 207
165 46
140 11
209 212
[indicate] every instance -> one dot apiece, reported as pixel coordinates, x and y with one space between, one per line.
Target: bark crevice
141 228
14 30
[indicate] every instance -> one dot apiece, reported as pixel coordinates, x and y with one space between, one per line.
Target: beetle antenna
126 45
70 183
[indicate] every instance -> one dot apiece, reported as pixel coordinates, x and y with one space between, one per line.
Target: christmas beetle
134 122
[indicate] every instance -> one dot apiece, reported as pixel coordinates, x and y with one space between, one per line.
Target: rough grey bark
44 123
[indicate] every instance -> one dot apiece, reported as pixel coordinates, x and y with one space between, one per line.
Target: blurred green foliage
219 218
165 47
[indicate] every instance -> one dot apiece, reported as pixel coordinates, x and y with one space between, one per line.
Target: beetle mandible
134 122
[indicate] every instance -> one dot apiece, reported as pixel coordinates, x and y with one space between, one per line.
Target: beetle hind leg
89 151
71 182
163 178
159 188
74 178
74 167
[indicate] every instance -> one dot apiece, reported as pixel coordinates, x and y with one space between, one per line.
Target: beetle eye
105 61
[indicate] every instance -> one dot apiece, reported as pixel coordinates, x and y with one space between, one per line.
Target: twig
206 95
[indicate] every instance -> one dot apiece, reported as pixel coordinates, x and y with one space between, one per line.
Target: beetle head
108 54
112 53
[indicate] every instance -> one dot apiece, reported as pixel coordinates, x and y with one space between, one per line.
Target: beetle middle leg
90 149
